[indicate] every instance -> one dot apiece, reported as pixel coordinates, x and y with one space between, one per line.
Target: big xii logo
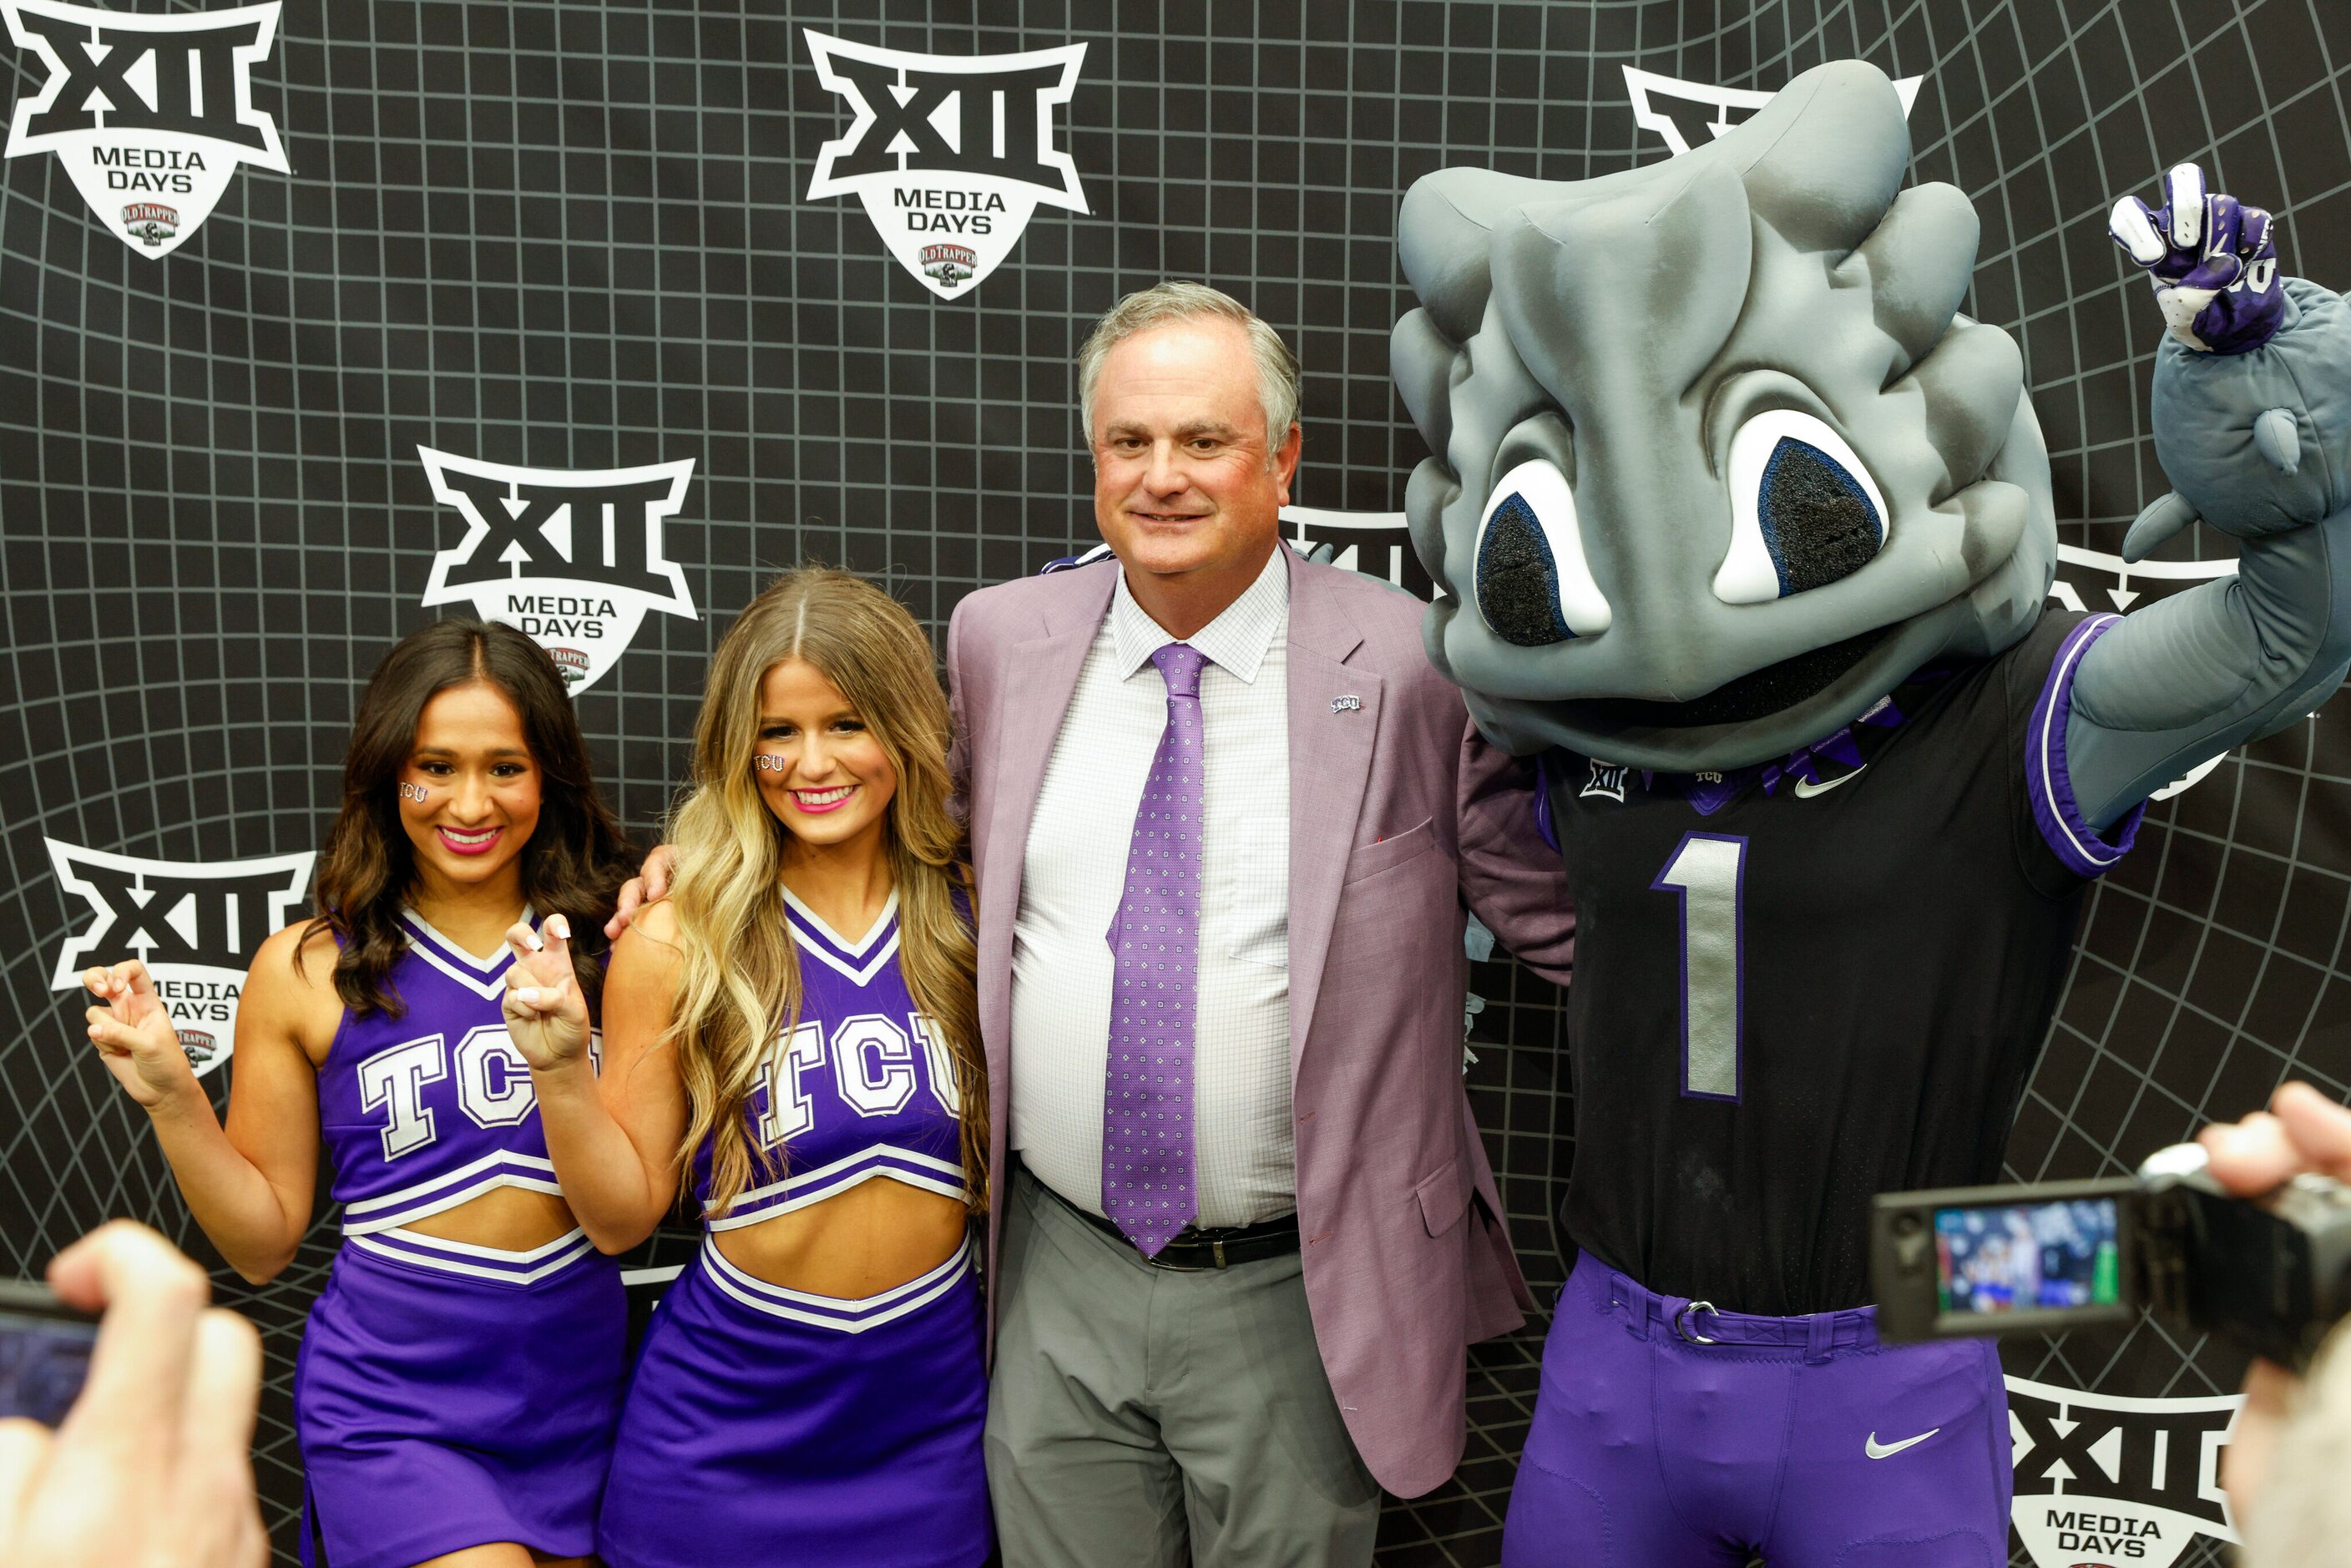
149 115
2102 1481
195 926
951 156
572 559
1377 544
1685 113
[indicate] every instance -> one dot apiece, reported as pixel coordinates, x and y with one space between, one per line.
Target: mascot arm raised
2252 425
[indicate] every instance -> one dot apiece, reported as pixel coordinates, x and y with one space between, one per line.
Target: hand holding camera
152 1463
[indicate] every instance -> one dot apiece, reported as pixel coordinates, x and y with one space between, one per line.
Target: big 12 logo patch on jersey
195 925
149 115
574 558
951 155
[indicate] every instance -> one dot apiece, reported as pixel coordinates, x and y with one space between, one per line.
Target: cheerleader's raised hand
544 1011
134 1035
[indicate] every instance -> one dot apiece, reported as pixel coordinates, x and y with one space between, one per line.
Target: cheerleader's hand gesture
544 1011
133 1030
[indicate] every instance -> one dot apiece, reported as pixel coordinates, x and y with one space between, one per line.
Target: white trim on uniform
506 1169
483 975
427 1252
805 1187
836 1313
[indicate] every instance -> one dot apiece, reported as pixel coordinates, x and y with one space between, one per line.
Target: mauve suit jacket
1398 812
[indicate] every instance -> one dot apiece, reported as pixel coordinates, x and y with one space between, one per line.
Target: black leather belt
1195 1249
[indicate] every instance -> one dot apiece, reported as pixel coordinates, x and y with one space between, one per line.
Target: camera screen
2025 1256
42 1365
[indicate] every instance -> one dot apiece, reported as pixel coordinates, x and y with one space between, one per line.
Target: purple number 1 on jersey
1708 872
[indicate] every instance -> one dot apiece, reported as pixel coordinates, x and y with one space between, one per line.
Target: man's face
1182 483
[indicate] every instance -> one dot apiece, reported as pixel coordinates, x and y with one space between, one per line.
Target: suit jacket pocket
1370 859
1444 1196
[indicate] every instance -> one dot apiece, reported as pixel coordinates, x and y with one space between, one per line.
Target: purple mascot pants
1801 1440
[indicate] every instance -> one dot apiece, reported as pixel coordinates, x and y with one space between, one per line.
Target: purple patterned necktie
1155 938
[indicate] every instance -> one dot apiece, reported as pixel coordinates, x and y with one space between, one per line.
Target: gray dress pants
1143 1417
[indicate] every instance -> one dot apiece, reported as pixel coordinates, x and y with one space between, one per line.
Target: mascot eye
1803 510
1534 586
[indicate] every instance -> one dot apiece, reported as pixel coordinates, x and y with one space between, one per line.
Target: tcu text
873 1068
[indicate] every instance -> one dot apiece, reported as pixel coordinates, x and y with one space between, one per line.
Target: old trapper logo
195 926
2104 1480
149 115
1685 113
573 558
950 155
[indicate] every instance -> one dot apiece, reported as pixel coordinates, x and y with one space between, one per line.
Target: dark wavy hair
576 858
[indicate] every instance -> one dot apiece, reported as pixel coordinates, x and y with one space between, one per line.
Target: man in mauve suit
1225 818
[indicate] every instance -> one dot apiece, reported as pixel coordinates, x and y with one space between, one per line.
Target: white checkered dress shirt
1075 870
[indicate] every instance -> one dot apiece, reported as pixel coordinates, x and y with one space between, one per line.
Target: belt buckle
1162 1261
1681 1325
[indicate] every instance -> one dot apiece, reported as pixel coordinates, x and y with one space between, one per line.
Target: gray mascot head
1719 463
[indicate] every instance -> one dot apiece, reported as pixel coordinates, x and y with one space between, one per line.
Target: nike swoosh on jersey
1872 1448
1806 789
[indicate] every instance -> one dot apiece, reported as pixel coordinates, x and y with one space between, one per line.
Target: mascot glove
2212 260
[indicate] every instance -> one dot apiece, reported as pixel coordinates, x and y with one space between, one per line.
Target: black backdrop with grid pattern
578 236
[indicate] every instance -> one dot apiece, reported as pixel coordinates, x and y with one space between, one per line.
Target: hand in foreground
650 887
2212 260
134 1035
545 1013
2302 1131
153 1464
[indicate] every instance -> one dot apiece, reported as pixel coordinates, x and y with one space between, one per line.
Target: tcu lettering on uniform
493 1079
873 1063
943 1071
873 1068
193 78
790 1111
393 1082
515 513
494 1087
2177 1483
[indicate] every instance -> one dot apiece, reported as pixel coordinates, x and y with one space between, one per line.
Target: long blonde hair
738 979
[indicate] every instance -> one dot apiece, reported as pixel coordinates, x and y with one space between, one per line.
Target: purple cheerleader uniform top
448 1394
863 1086
430 1110
766 1424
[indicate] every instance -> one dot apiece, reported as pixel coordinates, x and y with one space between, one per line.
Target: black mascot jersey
1803 984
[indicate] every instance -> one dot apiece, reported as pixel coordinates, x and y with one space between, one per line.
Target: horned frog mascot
1747 534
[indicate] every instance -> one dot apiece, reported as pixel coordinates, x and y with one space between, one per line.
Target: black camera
2269 1274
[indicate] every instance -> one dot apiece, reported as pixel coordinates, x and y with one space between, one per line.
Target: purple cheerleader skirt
446 1398
771 1426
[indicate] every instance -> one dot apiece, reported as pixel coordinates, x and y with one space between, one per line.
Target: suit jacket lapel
1330 762
1037 679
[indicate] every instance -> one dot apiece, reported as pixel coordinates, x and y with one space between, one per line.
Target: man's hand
2303 1130
153 1465
2212 261
649 887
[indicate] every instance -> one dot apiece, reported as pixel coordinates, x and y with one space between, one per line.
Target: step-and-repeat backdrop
317 316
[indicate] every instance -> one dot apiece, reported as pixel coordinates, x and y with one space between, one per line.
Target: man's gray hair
1277 367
